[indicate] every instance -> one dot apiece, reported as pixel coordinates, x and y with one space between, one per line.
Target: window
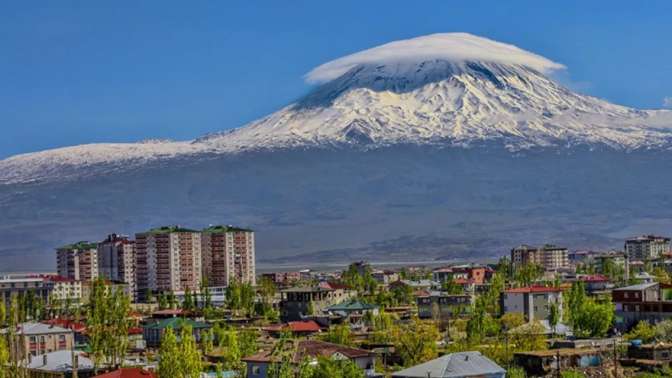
256 370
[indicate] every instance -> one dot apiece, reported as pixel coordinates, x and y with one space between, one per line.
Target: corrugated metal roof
454 365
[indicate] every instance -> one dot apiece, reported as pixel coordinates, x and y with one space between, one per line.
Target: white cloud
457 47
667 102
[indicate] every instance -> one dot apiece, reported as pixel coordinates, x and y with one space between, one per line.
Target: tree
339 334
664 331
575 300
267 290
4 356
188 302
206 296
169 355
416 342
527 274
107 324
515 372
642 331
383 328
512 320
328 368
554 316
593 319
191 364
229 349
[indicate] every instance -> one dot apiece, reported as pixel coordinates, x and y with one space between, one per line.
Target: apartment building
64 290
78 261
533 302
20 285
549 257
168 259
228 254
647 247
116 259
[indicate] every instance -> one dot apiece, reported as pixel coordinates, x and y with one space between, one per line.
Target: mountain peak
450 47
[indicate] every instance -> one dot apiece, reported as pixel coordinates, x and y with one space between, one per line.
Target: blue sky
81 72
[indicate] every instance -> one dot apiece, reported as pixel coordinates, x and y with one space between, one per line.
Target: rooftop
313 349
462 364
169 229
352 305
176 323
60 361
533 289
80 246
227 228
30 328
642 286
128 373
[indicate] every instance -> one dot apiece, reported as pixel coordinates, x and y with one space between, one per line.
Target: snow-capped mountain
451 89
443 146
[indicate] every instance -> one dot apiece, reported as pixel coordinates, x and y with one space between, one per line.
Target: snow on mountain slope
451 89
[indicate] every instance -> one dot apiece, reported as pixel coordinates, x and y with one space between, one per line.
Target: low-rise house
640 302
297 328
299 302
385 277
416 284
309 350
651 352
442 305
455 365
472 273
352 309
283 278
542 363
36 338
61 362
153 332
533 302
595 282
78 328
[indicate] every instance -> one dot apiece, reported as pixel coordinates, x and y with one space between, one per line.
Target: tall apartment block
647 247
168 259
116 260
228 255
78 261
549 257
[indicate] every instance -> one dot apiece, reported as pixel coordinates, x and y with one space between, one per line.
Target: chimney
44 359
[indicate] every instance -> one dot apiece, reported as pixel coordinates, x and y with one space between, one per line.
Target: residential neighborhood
179 302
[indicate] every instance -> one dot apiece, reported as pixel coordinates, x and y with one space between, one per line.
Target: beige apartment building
647 247
168 259
228 254
549 257
78 261
116 260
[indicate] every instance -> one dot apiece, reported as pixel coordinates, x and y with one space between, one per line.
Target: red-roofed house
302 327
596 282
128 373
534 302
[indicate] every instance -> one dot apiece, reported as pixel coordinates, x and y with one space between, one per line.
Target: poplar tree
169 355
191 364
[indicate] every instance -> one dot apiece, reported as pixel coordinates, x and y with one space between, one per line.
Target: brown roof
312 348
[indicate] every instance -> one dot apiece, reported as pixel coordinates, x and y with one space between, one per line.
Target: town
179 302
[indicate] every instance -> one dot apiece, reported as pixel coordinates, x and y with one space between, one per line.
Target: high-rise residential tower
168 259
116 259
228 254
78 261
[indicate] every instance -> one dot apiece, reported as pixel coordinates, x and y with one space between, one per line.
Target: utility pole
615 360
557 373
